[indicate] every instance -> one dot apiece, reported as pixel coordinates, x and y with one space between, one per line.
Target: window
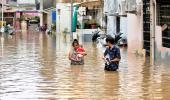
164 20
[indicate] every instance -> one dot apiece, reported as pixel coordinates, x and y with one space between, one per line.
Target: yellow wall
2 23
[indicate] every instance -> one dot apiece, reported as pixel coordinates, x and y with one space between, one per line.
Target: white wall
161 52
135 32
99 17
111 25
123 26
110 6
63 20
49 19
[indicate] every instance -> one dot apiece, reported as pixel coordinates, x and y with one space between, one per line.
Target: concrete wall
123 26
99 16
135 32
111 25
4 2
49 19
45 18
63 20
162 53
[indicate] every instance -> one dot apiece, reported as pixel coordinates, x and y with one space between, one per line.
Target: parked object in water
9 30
49 31
95 35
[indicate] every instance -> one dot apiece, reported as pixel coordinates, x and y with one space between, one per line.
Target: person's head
110 41
75 44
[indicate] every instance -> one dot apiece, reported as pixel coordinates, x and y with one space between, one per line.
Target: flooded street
35 66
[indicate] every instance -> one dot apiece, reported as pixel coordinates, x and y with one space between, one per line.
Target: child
79 51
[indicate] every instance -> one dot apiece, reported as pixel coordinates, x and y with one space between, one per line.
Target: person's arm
70 56
105 53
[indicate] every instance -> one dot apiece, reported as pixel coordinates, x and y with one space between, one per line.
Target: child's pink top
80 49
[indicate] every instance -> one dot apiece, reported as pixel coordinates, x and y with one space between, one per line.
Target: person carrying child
77 53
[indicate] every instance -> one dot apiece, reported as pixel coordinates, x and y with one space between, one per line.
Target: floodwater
34 66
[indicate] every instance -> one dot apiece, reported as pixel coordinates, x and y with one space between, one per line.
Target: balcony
111 7
122 8
12 2
131 6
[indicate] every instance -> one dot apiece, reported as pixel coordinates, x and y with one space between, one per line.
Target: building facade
8 12
89 12
48 11
148 29
161 30
114 10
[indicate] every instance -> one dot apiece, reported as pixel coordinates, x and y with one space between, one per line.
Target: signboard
13 2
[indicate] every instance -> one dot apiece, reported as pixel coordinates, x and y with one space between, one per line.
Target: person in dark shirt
112 55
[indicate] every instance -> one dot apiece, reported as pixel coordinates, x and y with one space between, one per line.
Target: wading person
112 55
74 54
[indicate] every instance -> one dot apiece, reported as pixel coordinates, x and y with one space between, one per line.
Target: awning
163 1
28 11
90 4
20 5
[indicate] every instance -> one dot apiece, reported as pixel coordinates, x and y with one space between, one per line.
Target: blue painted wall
54 16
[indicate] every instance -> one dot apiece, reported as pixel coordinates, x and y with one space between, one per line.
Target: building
17 10
135 25
160 30
148 28
48 8
8 12
87 15
146 23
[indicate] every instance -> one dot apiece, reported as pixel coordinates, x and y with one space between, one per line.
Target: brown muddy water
34 66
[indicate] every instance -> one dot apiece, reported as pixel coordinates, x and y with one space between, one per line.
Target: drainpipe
2 28
153 30
155 13
71 18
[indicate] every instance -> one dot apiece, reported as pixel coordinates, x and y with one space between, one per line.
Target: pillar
152 28
41 13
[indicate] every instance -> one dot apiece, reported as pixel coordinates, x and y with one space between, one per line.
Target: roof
95 3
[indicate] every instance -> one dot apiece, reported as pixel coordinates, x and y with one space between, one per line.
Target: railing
164 19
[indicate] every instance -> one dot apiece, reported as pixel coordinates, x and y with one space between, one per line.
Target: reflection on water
34 66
